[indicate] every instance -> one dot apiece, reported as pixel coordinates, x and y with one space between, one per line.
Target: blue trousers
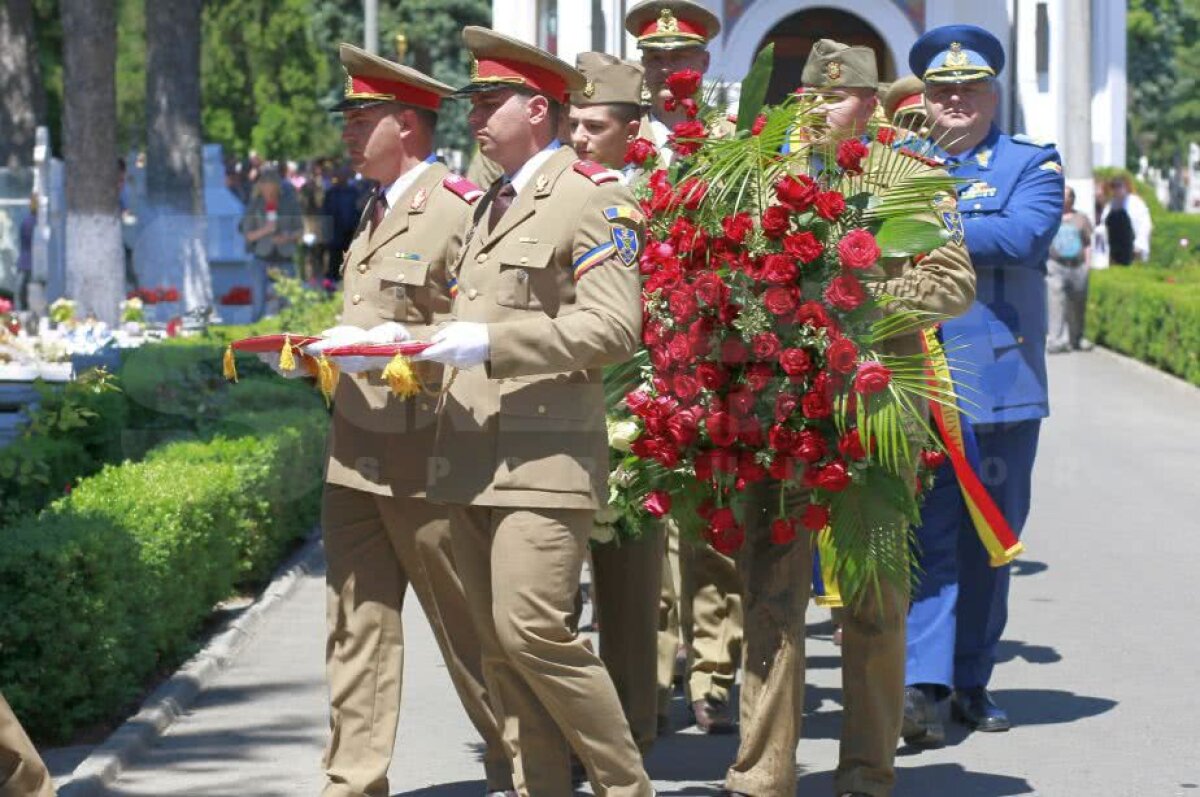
960 605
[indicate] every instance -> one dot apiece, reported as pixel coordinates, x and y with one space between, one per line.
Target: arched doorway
795 35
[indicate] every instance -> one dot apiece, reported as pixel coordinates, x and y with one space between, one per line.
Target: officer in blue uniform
1011 202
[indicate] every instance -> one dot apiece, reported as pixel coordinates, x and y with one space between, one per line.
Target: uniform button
471 294
541 409
363 268
524 260
1020 338
978 206
481 257
424 406
356 299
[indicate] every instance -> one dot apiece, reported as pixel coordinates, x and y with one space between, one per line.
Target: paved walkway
1099 669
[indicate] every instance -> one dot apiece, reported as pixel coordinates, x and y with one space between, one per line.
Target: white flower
622 433
603 533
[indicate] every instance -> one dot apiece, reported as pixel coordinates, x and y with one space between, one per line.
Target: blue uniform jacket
1011 205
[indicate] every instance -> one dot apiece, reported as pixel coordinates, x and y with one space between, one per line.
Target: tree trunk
170 250
95 258
22 95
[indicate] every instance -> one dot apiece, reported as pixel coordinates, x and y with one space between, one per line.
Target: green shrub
109 584
1151 314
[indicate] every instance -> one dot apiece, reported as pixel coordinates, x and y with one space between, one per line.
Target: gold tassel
228 365
400 377
287 360
327 377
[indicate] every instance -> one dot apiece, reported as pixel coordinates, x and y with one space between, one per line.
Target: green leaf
907 237
754 88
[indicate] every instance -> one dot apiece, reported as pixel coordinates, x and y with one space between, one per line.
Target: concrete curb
169 702
1177 383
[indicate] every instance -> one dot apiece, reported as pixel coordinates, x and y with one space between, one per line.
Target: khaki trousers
669 619
521 570
376 547
22 773
712 591
628 576
778 582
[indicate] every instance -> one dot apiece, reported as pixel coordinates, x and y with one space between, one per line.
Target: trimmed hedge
1151 314
109 584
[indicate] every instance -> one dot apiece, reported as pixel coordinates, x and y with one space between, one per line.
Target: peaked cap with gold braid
671 24
371 80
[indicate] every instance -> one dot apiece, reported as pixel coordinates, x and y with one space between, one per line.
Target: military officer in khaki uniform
22 772
381 535
777 578
627 574
904 104
701 592
548 294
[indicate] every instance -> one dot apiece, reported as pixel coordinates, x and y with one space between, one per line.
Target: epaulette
597 173
463 188
1021 138
928 161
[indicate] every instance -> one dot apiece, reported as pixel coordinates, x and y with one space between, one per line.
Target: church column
1075 89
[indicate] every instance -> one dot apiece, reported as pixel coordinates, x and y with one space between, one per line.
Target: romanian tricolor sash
995 533
824 585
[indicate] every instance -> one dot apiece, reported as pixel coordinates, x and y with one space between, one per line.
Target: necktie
378 210
500 205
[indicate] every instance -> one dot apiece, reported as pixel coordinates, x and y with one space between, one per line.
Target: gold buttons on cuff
481 257
356 299
471 294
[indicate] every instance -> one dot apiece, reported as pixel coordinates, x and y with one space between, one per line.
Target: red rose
851 445
850 155
638 401
810 446
795 361
816 405
704 466
657 503
737 227
749 471
785 406
690 107
933 459
725 460
742 400
760 122
692 191
781 438
780 301
813 313
734 351
886 135
797 192
683 304
858 249
783 531
833 477
639 151
709 288
841 355
845 292
659 252
687 137
815 517
830 205
712 376
766 346
686 386
684 83
803 246
682 428
779 269
679 350
729 541
775 221
758 376
872 377
721 429
750 433
782 468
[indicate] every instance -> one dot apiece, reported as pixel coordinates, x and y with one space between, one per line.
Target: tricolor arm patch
1051 166
597 173
452 286
592 258
464 189
624 213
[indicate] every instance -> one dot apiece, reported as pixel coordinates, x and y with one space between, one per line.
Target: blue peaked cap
956 54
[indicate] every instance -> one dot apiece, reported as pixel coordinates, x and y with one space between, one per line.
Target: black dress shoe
923 717
975 709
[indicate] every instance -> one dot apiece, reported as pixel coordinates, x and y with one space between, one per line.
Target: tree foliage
1163 70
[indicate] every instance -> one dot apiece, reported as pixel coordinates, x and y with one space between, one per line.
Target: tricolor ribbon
994 532
824 585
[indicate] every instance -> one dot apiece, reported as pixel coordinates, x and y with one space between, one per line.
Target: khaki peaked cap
371 80
502 62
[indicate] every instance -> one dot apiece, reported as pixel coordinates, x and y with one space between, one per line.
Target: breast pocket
551 433
403 289
526 280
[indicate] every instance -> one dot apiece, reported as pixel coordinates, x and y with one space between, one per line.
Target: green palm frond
870 521
623 378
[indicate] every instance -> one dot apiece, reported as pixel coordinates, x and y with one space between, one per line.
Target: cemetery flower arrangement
62 311
237 295
762 332
133 310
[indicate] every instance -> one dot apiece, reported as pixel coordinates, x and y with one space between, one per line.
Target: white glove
271 360
387 332
461 344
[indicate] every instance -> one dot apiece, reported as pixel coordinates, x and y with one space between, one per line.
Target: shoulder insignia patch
624 212
1021 138
1051 166
596 173
463 188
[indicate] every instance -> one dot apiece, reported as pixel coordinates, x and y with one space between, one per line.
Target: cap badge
833 70
589 89
646 97
956 57
667 22
542 185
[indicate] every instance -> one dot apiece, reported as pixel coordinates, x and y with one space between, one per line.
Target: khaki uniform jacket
561 303
380 443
